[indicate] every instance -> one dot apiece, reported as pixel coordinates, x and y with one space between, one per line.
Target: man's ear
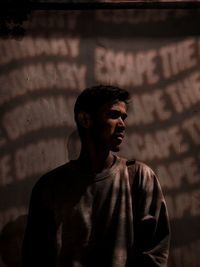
84 119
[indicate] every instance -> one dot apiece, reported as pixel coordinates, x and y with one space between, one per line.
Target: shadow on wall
73 145
12 234
11 239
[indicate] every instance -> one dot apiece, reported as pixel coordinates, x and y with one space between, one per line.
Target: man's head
101 111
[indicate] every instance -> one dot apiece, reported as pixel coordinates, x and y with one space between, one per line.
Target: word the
178 57
184 94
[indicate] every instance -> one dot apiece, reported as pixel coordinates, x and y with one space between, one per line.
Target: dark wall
154 54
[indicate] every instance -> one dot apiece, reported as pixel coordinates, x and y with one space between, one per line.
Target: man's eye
117 114
124 116
114 114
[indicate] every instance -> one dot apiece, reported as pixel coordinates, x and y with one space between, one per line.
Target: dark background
48 57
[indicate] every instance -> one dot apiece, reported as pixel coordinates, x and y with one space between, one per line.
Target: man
99 210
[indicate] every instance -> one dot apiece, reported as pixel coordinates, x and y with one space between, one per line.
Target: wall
154 54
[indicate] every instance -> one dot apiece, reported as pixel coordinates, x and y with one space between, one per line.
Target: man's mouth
119 136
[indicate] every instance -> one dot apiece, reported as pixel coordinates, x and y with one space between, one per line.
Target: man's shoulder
139 172
138 166
54 176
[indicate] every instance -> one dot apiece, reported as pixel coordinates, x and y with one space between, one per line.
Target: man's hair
93 98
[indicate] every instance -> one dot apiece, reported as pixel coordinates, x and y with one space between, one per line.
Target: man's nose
122 123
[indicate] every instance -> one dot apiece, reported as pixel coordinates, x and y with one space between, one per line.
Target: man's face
108 126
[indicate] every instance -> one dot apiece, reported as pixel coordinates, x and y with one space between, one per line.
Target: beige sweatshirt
116 218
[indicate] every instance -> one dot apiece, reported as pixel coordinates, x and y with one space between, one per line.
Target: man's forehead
116 105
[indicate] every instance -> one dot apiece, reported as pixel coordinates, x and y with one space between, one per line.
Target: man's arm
151 222
39 246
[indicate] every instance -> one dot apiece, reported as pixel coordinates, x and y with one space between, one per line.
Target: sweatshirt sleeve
151 222
39 245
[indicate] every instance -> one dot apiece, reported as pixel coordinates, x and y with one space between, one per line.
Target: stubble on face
109 126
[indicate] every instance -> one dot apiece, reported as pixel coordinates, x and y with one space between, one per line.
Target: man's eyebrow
118 111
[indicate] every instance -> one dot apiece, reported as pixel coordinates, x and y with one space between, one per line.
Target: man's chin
115 148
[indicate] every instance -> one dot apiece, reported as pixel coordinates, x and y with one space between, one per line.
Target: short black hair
93 98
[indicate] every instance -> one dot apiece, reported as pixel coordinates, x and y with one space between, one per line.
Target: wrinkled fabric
116 218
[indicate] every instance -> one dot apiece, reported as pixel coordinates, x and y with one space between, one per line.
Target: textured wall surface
155 54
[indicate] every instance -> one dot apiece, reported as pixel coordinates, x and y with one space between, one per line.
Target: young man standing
99 210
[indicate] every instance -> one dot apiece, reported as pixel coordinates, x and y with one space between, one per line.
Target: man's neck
95 161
